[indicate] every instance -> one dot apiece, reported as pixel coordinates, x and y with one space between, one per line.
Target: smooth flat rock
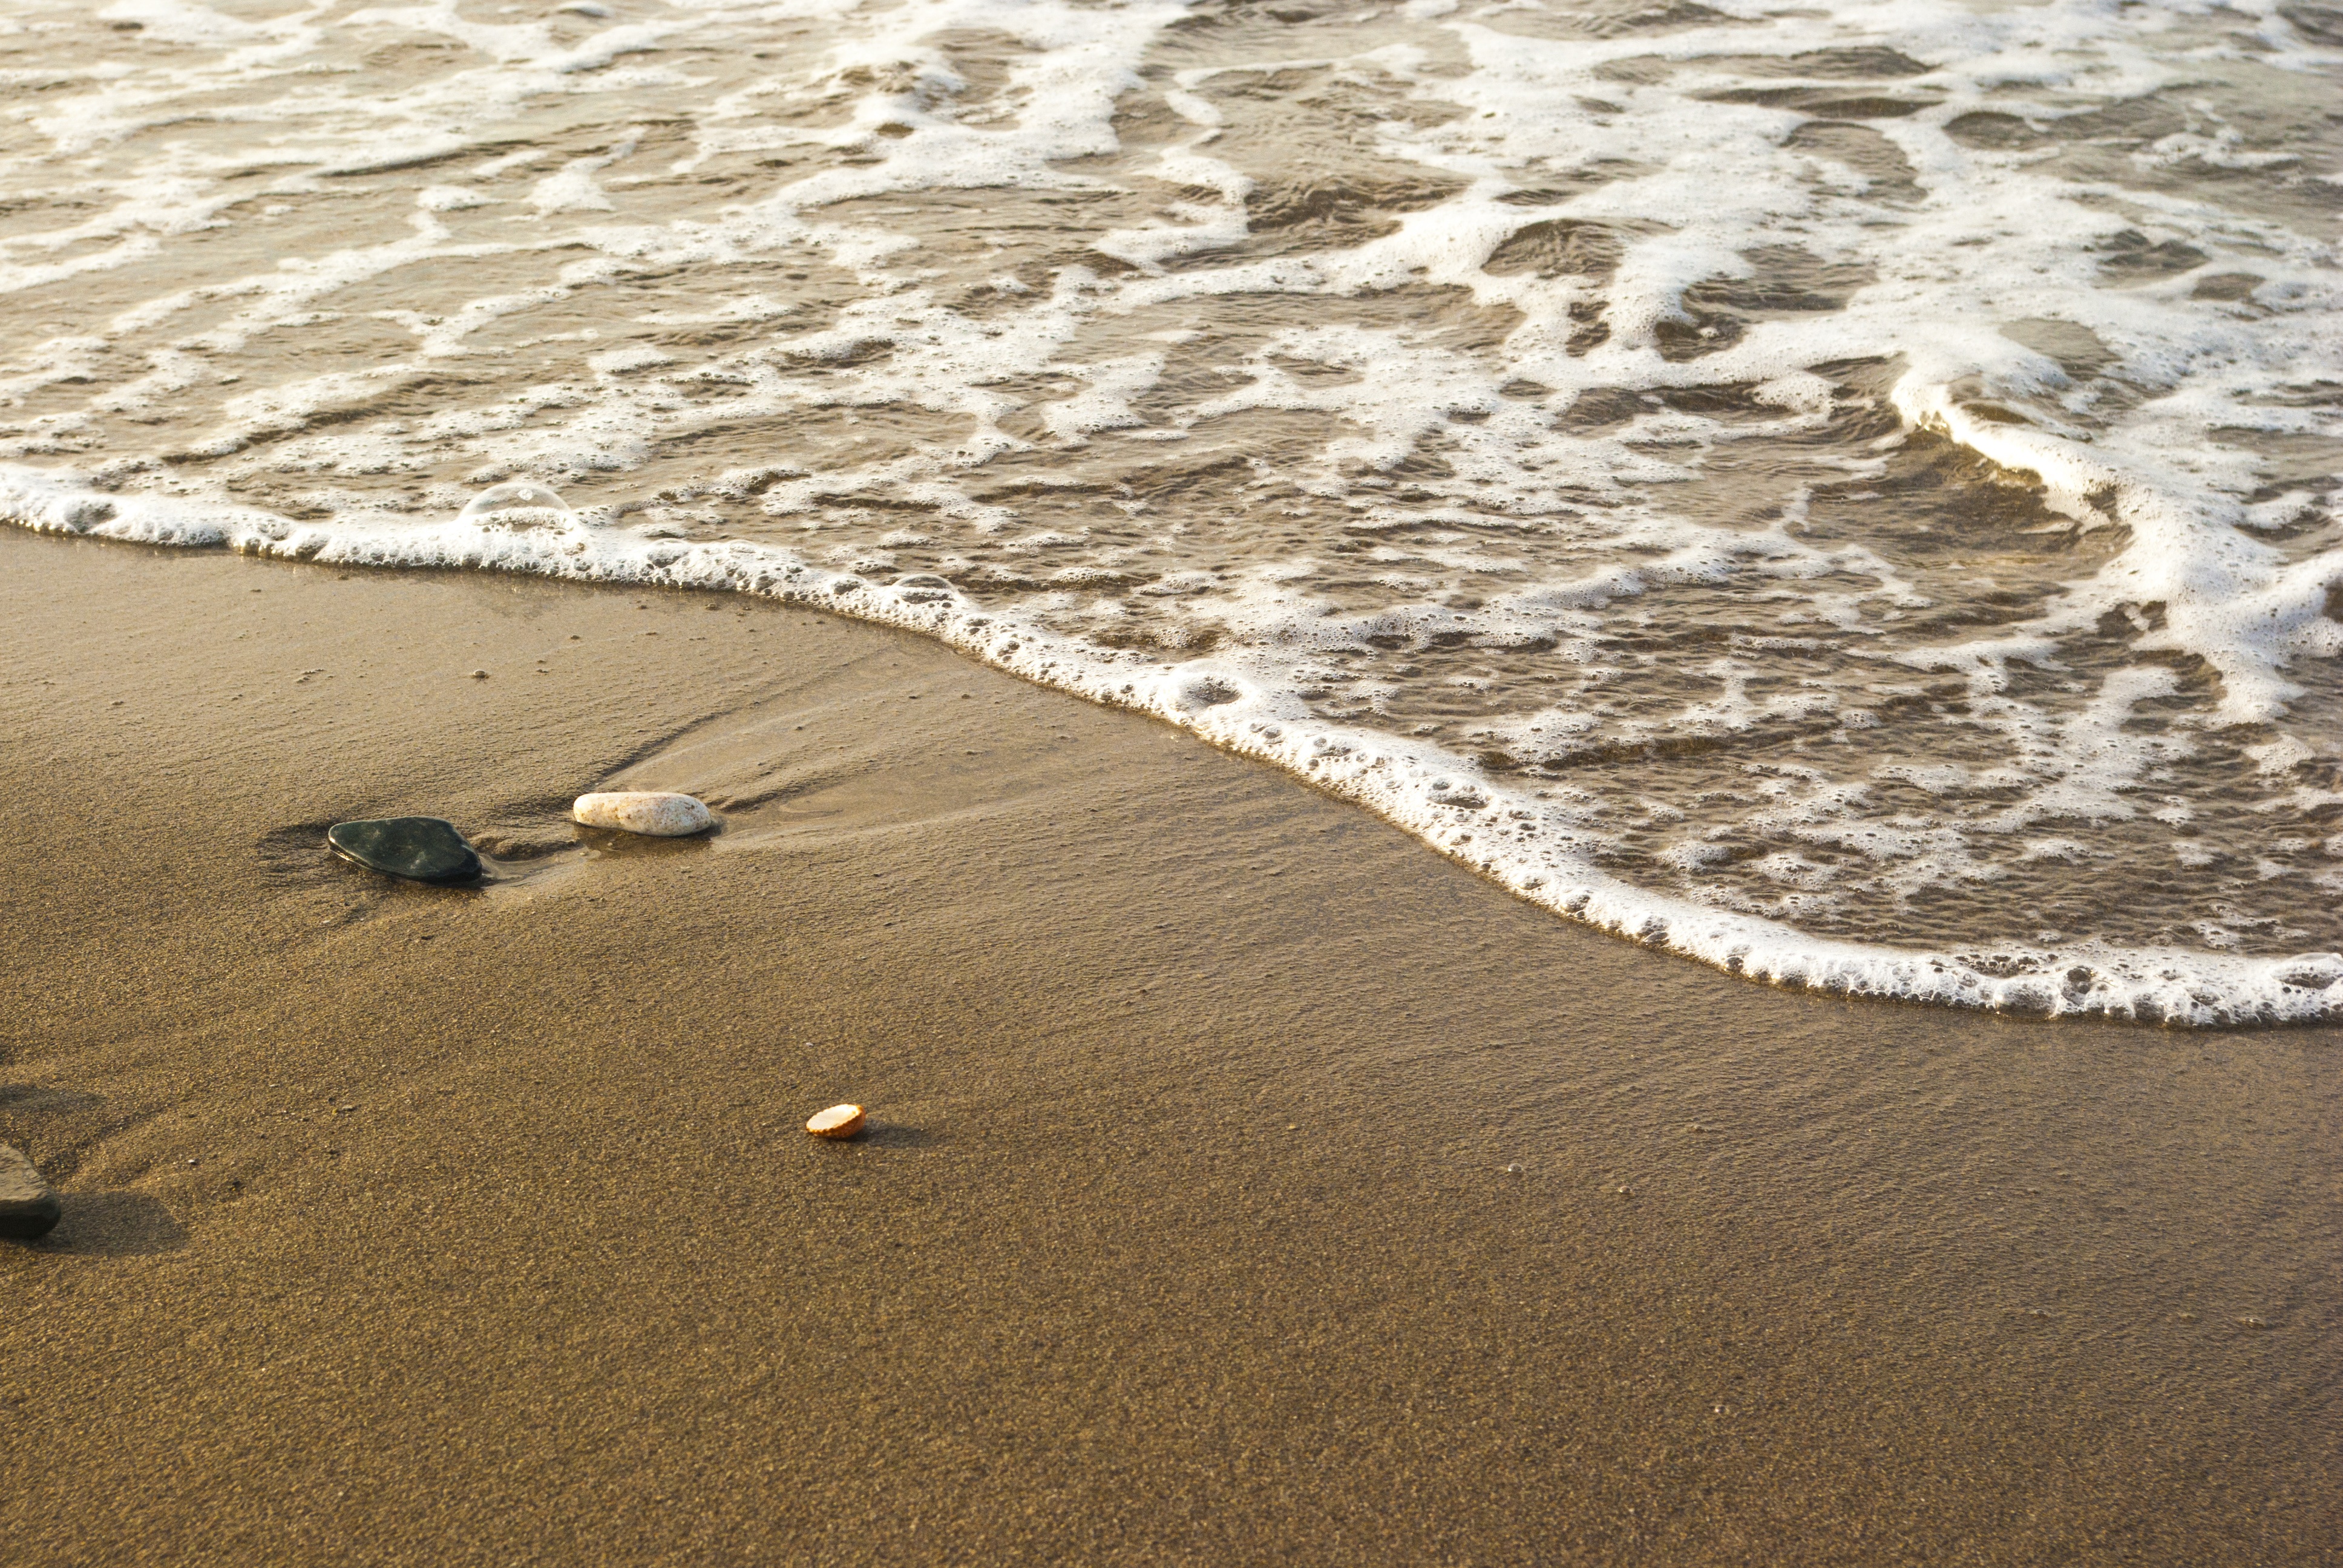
420 848
28 1205
656 812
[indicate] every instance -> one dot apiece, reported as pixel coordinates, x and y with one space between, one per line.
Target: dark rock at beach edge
417 849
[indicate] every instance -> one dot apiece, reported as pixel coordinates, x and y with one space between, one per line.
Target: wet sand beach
419 1225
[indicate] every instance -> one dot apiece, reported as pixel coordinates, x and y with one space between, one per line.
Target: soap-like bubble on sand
518 504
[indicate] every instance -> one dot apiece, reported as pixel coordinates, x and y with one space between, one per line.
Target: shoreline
1187 1227
1395 779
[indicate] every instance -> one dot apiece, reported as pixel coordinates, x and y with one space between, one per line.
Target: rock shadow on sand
893 1135
113 1225
46 1099
600 841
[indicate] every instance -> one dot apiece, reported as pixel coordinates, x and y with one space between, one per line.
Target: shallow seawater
1844 493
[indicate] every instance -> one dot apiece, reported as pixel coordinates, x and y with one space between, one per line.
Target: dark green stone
420 848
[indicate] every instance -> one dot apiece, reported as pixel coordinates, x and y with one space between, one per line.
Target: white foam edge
1400 779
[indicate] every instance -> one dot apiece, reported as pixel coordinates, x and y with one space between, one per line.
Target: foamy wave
1833 485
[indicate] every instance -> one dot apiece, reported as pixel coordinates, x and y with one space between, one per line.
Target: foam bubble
518 504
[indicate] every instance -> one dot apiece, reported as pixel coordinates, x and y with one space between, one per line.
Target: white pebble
653 812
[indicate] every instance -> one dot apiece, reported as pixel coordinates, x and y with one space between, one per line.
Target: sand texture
406 1224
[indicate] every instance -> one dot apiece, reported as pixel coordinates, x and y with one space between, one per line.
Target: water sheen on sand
1845 496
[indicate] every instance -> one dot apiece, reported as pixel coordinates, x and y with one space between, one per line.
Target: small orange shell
838 1121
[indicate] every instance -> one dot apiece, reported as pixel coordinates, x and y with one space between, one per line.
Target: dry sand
440 1227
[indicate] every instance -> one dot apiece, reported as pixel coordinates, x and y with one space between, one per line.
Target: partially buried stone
28 1207
655 812
420 848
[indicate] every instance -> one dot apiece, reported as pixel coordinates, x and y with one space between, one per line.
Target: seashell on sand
838 1121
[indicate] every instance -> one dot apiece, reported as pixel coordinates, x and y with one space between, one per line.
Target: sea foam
1844 496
